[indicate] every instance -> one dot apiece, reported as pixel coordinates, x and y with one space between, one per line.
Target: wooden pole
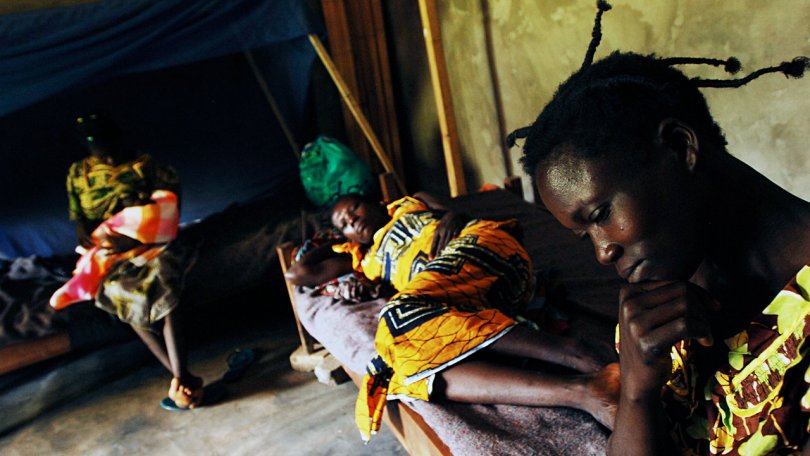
355 109
496 87
272 102
444 102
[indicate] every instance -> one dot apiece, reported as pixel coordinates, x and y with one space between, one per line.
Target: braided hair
617 104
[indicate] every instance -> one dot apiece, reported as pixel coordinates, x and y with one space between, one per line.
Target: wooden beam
351 102
358 46
444 103
17 355
496 88
374 73
339 34
19 6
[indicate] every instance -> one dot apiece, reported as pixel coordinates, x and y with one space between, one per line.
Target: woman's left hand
450 225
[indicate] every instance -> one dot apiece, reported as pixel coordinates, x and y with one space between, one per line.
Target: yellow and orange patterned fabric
446 308
758 402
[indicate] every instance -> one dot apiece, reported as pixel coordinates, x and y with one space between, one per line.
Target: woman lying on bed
715 318
460 286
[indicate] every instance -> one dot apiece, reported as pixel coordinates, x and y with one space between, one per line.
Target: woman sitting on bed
460 286
126 210
715 318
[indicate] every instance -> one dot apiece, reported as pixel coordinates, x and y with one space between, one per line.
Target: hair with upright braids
618 103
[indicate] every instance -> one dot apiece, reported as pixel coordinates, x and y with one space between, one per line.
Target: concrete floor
272 410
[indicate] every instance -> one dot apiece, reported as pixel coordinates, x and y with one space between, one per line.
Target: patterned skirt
140 292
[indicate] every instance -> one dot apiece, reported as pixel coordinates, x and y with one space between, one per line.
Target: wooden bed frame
22 354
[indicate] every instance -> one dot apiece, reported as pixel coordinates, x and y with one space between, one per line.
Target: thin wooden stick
444 101
272 102
496 87
355 109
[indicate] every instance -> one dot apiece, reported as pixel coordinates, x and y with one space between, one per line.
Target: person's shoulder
406 204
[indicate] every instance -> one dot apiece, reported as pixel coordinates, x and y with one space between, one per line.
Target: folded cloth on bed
152 224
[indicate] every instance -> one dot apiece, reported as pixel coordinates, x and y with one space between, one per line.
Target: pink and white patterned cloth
153 225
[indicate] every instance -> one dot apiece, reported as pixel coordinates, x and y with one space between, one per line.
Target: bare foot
189 393
605 395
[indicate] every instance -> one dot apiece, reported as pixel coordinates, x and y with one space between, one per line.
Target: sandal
213 393
238 362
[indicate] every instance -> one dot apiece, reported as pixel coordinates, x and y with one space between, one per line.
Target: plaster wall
535 45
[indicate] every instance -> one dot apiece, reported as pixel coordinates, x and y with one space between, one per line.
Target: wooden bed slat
15 356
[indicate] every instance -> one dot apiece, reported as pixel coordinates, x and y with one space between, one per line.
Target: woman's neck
759 235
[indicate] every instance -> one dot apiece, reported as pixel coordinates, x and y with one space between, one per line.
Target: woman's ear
681 139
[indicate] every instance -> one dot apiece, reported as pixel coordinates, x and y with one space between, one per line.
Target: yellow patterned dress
758 402
445 310
97 190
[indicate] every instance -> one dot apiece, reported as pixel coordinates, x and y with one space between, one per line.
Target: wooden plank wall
358 46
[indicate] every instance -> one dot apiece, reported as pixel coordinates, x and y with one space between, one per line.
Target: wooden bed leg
285 257
310 355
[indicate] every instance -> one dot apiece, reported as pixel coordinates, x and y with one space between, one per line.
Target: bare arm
653 317
432 201
450 225
319 266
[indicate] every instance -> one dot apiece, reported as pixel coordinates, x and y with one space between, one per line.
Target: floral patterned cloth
758 402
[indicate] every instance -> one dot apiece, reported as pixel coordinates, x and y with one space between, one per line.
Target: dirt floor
271 410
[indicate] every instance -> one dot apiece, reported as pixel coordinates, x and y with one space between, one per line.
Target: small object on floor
238 362
213 393
330 372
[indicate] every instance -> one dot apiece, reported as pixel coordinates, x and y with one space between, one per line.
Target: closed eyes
600 214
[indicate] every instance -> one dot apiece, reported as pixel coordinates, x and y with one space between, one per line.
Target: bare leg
175 348
155 345
482 382
186 390
523 342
